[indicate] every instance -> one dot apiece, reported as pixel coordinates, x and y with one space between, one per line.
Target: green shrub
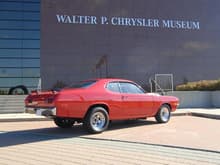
3 92
203 85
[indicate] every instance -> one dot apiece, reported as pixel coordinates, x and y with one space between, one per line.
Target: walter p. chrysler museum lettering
126 21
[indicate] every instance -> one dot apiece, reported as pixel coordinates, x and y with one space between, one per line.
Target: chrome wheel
98 121
163 114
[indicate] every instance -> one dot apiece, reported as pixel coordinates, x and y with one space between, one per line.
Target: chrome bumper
42 111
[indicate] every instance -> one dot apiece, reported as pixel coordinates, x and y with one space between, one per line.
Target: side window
130 88
113 86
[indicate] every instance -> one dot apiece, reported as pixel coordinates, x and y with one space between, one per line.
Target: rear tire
163 115
97 120
63 122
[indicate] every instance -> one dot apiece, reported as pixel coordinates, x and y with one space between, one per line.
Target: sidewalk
207 113
199 112
14 117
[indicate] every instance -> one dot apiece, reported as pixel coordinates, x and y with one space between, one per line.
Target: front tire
63 122
163 115
97 120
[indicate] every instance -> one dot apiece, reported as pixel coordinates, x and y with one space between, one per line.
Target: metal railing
161 83
156 84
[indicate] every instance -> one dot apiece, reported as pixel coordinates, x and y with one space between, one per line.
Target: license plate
39 112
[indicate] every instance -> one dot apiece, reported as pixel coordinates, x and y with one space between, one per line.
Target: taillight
50 100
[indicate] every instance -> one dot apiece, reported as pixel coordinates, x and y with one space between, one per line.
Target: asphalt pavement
183 140
190 137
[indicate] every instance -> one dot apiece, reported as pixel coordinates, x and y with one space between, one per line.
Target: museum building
60 42
19 44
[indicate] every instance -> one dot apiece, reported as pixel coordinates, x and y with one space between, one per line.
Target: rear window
83 84
113 86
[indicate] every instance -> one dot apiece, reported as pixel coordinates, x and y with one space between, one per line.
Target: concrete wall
197 99
216 99
188 99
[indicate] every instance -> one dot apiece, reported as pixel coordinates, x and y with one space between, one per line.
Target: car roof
113 79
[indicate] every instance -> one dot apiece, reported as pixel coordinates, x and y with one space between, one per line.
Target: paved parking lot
184 140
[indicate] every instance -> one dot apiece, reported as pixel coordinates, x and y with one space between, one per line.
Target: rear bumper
48 112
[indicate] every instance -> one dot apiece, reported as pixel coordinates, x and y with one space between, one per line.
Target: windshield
82 84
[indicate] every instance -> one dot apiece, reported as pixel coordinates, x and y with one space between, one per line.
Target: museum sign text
129 21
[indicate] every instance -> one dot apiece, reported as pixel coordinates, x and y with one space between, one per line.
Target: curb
197 114
24 119
182 114
210 116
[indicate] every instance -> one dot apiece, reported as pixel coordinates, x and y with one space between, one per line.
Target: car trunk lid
43 99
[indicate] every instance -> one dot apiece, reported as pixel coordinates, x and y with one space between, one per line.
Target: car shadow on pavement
54 133
129 124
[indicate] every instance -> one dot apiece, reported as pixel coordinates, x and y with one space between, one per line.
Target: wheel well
167 105
97 105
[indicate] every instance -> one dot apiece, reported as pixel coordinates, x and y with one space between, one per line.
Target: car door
135 102
115 101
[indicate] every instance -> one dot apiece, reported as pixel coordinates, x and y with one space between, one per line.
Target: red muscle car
96 102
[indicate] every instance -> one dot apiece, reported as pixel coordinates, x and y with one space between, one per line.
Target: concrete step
15 104
12 111
12 107
12 104
13 96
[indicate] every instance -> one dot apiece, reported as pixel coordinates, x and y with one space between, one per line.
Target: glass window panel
20 34
10 82
30 82
19 6
31 25
10 34
19 24
31 34
10 52
11 24
31 43
18 72
31 16
10 43
11 15
10 6
6 72
31 63
30 53
19 43
31 6
20 63
10 62
31 72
